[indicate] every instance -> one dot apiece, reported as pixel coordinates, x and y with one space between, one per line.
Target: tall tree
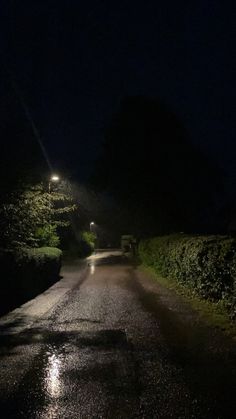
32 215
161 180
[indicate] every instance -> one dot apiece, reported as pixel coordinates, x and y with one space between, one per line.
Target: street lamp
93 231
54 179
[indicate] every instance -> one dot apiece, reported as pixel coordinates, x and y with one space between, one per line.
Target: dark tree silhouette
162 182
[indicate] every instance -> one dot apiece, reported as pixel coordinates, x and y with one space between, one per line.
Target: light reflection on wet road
110 348
52 377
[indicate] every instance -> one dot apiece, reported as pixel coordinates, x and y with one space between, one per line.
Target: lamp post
54 179
93 230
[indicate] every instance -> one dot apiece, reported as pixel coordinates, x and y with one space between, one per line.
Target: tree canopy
31 216
160 180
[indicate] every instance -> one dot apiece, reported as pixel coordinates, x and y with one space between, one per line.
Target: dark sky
74 61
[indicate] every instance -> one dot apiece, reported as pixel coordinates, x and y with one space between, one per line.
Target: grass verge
213 314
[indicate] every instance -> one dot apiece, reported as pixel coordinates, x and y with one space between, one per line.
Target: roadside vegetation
35 222
39 216
81 245
30 259
203 268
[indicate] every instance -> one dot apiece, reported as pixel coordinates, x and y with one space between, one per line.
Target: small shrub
89 238
47 236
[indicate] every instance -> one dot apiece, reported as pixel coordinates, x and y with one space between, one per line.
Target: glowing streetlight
91 224
54 179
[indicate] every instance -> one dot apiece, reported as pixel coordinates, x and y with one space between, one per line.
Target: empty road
107 341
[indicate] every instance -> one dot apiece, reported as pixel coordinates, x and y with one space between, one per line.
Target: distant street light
91 224
54 179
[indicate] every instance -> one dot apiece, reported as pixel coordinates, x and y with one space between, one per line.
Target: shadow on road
206 357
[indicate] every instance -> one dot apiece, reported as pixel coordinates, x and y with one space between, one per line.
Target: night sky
74 61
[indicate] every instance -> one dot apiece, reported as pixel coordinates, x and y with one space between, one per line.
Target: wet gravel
115 345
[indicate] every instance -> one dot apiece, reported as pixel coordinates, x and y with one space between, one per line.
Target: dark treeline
160 181
155 181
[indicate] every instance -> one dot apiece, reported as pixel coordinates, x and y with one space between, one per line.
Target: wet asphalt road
108 342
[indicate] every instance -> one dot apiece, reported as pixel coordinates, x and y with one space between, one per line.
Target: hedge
25 273
206 264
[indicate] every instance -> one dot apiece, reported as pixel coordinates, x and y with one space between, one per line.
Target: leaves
89 238
206 264
31 210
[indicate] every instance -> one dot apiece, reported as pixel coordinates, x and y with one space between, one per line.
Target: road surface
108 342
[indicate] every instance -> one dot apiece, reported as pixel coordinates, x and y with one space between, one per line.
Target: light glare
55 178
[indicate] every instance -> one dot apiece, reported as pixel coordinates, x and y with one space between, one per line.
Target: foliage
41 253
206 264
18 259
47 236
25 210
85 244
89 238
30 215
61 204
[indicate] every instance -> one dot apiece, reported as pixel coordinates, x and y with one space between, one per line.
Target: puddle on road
92 268
109 260
97 261
41 389
52 379
72 365
50 386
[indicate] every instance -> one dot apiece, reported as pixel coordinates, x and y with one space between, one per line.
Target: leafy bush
206 264
80 246
29 214
89 238
40 265
41 255
86 243
47 236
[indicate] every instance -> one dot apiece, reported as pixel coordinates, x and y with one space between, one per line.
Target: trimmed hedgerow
206 264
41 265
25 273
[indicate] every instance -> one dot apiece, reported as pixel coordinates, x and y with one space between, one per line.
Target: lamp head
54 178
